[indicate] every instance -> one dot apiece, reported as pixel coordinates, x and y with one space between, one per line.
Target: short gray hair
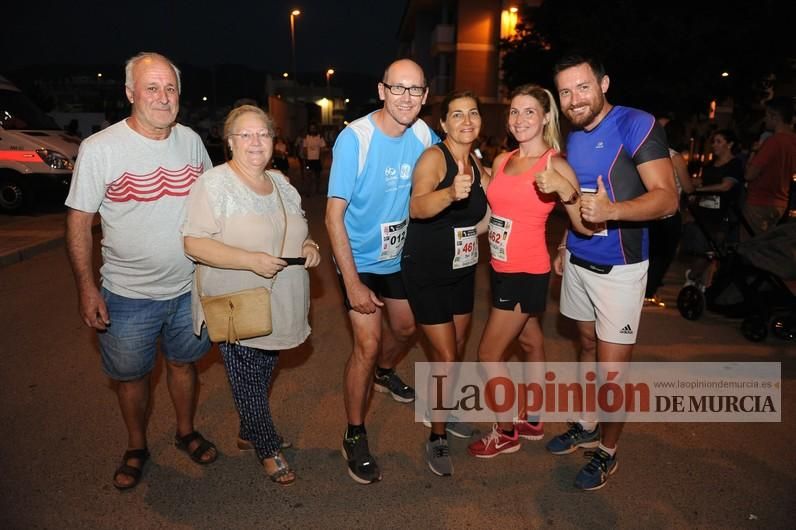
132 61
237 112
232 117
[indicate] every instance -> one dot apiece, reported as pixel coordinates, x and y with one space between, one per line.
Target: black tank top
430 242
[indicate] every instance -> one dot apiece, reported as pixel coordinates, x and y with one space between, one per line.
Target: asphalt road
62 435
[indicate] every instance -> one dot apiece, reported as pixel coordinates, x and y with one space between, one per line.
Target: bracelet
573 199
562 246
312 243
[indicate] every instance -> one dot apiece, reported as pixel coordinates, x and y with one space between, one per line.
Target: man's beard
582 120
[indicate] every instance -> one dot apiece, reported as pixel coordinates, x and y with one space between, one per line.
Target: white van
36 156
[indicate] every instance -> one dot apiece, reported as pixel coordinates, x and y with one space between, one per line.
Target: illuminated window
508 23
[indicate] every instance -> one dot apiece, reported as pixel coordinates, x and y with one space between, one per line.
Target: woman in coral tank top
525 185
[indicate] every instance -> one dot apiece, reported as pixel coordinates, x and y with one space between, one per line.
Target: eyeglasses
398 90
247 136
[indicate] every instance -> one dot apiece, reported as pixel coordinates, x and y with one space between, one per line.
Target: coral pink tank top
519 215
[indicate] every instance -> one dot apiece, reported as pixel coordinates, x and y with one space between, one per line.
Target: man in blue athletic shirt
621 159
366 215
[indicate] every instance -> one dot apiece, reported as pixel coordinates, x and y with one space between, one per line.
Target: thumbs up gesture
549 180
462 182
596 207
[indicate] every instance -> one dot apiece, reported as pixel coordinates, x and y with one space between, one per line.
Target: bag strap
284 213
281 246
284 219
231 331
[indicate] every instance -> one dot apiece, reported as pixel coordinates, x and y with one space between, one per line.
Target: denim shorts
129 345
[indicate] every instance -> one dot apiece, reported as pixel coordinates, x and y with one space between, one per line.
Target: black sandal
141 455
183 443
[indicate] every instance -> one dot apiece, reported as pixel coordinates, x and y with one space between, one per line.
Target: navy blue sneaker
576 436
595 474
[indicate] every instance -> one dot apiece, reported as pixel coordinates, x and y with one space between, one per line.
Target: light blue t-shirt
372 172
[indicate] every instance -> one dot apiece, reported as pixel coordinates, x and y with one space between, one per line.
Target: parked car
36 156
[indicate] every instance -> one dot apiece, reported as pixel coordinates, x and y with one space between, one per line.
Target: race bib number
499 232
393 235
465 245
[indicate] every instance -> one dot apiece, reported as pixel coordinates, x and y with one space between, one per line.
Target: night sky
349 35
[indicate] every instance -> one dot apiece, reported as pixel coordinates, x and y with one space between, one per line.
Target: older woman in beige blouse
234 230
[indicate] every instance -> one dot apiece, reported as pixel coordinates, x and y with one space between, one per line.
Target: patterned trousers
249 372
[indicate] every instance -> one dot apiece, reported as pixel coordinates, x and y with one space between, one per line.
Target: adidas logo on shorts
627 330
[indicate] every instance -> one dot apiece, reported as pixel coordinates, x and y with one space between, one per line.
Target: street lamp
293 15
329 74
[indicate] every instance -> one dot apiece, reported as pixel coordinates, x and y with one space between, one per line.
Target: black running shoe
361 465
390 383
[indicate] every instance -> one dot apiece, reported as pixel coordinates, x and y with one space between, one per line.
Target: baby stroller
750 283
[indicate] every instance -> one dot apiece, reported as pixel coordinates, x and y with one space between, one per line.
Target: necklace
464 162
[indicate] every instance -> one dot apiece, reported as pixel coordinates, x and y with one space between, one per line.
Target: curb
34 249
28 252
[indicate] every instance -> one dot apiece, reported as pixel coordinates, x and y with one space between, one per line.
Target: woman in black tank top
429 240
447 210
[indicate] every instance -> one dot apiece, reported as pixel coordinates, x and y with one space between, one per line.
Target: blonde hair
552 130
237 112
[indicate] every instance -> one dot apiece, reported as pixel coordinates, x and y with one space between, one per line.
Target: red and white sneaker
494 443
528 431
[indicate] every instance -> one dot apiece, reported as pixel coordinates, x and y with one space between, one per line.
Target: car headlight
54 159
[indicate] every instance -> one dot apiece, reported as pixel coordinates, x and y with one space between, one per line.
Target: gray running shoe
438 457
361 465
454 426
392 384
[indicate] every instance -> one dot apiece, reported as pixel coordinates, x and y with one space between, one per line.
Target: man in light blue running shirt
367 215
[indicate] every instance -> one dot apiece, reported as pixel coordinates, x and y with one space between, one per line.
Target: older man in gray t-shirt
137 175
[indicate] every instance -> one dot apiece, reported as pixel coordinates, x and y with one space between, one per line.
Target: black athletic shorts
512 288
383 285
436 302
